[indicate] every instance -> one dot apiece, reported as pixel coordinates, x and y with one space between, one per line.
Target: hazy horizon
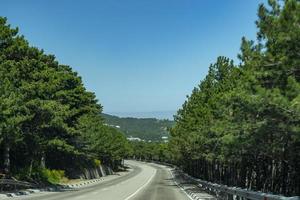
154 114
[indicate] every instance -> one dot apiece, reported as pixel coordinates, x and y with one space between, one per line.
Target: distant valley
144 128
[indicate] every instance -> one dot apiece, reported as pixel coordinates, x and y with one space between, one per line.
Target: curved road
144 182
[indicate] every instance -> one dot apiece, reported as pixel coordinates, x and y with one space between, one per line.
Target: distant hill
154 114
144 128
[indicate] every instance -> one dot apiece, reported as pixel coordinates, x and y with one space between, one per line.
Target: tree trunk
30 167
6 159
43 160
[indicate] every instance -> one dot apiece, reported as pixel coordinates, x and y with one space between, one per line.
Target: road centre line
133 194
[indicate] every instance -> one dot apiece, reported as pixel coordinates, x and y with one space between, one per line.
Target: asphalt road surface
145 182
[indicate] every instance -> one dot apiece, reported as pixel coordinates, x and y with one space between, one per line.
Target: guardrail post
230 197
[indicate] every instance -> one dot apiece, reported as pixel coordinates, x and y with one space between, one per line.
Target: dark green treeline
47 118
241 124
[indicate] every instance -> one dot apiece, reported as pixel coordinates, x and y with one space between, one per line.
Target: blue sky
138 56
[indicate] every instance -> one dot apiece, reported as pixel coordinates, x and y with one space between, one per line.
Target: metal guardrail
230 193
234 193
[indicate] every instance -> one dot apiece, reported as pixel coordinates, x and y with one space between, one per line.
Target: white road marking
79 197
189 196
96 192
133 194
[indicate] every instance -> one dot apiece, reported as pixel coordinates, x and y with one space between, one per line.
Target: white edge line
189 196
145 184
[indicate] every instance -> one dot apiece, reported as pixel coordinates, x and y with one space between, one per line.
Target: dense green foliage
241 125
47 118
52 176
151 151
144 128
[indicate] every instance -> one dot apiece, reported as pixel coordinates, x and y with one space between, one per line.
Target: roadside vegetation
241 124
150 151
50 125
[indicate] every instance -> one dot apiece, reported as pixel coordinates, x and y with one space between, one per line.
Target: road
145 182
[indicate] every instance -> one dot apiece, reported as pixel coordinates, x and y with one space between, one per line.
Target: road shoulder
64 188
